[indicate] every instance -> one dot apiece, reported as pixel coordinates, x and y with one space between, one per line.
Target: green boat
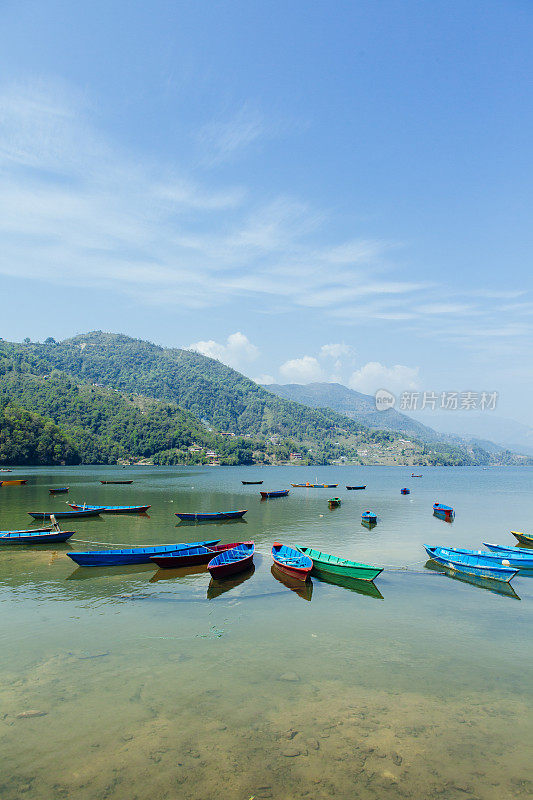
333 565
334 502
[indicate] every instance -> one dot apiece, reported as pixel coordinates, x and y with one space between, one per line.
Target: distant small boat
116 482
334 502
523 538
443 512
405 490
60 490
369 518
4 469
231 562
356 487
14 482
333 565
470 564
213 516
251 483
112 509
314 485
93 512
415 476
278 493
191 556
291 561
40 536
130 555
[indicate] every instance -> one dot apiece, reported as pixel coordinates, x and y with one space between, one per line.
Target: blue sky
304 190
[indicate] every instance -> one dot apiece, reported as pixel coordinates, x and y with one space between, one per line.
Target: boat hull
34 537
523 538
269 495
299 570
65 514
131 555
63 490
314 485
326 564
502 559
352 488
112 509
470 565
116 482
210 517
13 483
232 561
184 558
513 550
251 483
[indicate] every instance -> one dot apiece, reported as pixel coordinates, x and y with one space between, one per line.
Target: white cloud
265 379
302 370
224 139
336 350
373 376
237 352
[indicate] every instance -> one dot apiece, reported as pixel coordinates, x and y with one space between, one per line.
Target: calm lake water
125 683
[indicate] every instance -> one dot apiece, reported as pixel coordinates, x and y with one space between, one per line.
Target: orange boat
18 482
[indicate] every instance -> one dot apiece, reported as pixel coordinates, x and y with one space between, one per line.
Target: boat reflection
218 587
179 572
193 523
83 574
367 588
303 589
369 525
498 587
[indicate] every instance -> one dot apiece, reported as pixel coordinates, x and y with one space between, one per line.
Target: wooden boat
59 490
4 469
324 563
369 518
518 560
130 555
443 512
291 561
231 562
498 548
191 556
523 538
471 565
356 487
334 502
88 512
213 516
116 482
14 482
112 509
278 493
314 485
44 536
251 483
415 476
405 490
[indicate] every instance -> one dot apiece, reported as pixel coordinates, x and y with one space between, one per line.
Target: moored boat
43 536
369 518
498 548
116 482
470 564
111 509
356 487
517 559
213 516
523 538
14 482
251 483
191 556
291 561
277 493
415 476
131 555
92 512
443 512
334 502
334 565
231 562
59 490
314 485
405 490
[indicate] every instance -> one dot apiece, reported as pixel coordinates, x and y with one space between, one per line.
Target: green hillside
28 438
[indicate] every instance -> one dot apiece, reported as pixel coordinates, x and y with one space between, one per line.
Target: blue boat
443 512
91 512
369 518
497 548
130 555
45 536
521 559
213 516
292 562
470 564
277 493
504 559
231 562
405 490
111 509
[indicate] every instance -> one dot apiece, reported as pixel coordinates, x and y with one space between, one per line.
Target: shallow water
127 683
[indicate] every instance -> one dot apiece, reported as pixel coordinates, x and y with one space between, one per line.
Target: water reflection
184 523
367 588
178 572
303 589
498 587
217 588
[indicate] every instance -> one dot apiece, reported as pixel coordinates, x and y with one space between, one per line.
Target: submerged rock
31 713
289 676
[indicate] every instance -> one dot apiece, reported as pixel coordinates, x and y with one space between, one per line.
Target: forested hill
118 397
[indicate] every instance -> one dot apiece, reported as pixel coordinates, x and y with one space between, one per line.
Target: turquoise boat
469 564
333 565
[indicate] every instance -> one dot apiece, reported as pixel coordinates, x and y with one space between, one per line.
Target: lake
125 683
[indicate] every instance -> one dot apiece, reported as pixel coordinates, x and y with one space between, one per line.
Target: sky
306 191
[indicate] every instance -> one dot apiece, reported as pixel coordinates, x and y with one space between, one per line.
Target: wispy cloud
225 139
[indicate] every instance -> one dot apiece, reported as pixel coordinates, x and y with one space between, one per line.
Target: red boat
192 556
291 561
230 562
